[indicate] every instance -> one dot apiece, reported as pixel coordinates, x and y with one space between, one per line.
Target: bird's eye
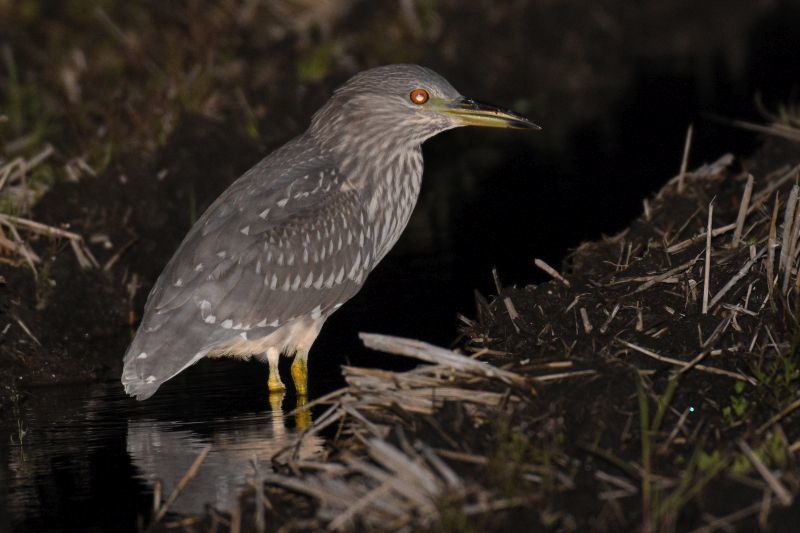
419 96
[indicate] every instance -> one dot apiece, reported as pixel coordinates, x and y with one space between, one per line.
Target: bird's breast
393 199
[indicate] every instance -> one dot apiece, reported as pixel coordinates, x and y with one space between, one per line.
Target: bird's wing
284 241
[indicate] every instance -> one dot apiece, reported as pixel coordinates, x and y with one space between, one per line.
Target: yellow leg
300 372
274 382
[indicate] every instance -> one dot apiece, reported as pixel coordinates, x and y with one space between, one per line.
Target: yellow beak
471 113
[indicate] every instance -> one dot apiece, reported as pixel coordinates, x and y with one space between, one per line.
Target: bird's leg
274 382
300 372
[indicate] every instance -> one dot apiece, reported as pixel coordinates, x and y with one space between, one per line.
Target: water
89 455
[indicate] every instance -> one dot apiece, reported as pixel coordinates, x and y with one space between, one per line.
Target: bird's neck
391 196
389 185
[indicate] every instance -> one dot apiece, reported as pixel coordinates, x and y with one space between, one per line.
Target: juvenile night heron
295 237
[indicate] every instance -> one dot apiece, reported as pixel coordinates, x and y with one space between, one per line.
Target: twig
434 354
27 331
677 362
610 318
764 194
562 375
785 411
551 271
788 222
791 245
663 276
771 245
681 246
512 312
777 130
587 326
685 160
707 271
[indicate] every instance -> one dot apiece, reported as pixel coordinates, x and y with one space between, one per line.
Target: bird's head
403 105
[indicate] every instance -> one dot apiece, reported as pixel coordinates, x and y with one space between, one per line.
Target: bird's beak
468 112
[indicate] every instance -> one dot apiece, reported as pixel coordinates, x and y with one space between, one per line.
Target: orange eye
419 96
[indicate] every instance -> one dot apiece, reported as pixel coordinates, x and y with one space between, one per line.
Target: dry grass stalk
774 185
778 417
683 245
776 130
707 271
587 326
433 354
562 375
771 245
19 246
736 278
394 487
740 218
27 331
397 485
706 171
726 523
652 280
610 318
793 248
79 248
512 312
12 172
788 226
15 169
414 393
685 159
552 272
677 362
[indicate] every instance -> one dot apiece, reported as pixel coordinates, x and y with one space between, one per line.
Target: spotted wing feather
288 239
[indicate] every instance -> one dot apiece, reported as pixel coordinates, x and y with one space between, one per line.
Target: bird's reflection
165 450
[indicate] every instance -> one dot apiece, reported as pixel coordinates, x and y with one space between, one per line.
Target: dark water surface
89 454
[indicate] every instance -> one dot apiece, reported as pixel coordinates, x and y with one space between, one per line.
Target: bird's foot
300 375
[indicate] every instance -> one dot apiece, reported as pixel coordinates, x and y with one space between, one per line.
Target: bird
295 237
